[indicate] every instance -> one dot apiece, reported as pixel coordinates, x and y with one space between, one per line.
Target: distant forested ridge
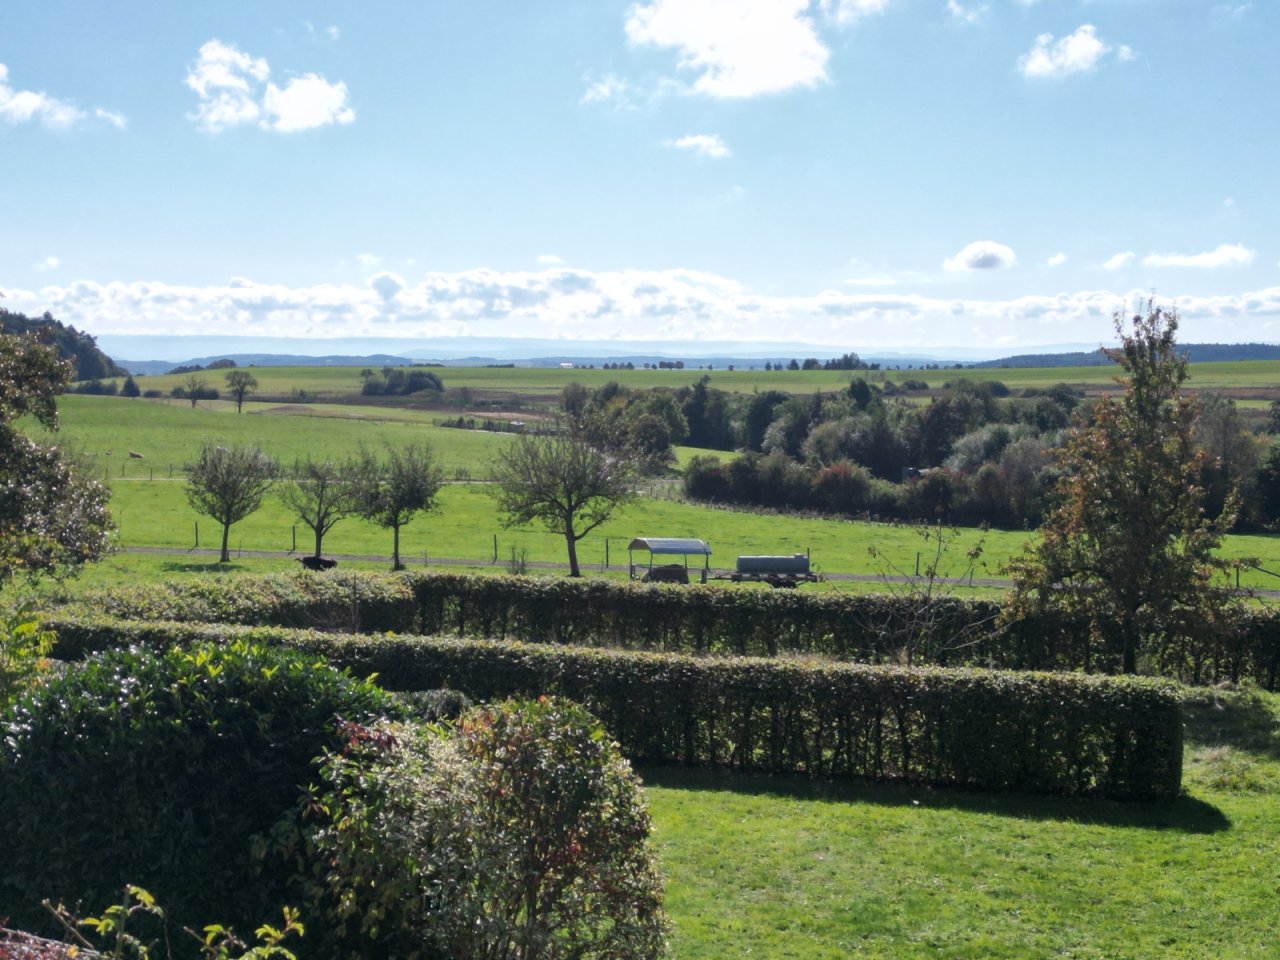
80 348
1195 352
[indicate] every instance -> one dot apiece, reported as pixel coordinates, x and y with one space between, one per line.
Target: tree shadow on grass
204 567
1184 815
1245 720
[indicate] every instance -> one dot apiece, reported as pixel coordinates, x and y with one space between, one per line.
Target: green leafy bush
520 834
24 645
1061 733
160 769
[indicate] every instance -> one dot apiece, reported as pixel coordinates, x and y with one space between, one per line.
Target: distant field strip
329 383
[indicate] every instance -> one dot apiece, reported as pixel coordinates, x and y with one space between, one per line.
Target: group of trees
973 454
77 348
228 484
560 480
397 381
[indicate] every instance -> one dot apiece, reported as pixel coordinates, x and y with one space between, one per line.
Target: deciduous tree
194 387
227 484
390 492
52 517
240 383
565 483
1128 552
319 493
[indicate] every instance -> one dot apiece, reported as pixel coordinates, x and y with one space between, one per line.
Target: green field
776 867
544 383
150 506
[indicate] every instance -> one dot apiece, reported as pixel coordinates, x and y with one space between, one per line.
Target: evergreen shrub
160 769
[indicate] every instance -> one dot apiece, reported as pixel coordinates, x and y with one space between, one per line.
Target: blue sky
861 173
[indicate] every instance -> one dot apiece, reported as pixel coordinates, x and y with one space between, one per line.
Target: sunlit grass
778 867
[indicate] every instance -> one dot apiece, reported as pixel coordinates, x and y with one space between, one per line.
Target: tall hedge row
694 619
1068 734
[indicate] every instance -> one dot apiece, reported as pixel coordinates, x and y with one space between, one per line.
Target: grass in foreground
777 867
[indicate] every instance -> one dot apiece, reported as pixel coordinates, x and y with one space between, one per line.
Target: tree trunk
226 535
1130 651
573 550
319 540
395 548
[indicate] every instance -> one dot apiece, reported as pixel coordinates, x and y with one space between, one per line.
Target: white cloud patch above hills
675 305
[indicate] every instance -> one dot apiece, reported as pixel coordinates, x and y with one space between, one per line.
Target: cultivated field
1253 377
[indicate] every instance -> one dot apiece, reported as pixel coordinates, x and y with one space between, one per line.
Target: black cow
317 563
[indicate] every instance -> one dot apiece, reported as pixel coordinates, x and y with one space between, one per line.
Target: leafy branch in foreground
108 936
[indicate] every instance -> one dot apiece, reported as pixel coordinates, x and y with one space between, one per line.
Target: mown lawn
775 867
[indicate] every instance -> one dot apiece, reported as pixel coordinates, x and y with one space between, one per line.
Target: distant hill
80 348
154 367
1195 352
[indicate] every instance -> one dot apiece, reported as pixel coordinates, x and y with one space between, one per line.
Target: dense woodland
71 344
973 453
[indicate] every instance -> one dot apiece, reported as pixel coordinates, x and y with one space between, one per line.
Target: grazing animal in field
317 563
135 455
669 573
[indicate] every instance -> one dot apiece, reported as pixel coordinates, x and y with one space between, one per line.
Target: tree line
975 453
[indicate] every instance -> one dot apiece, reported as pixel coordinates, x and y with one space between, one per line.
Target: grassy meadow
150 507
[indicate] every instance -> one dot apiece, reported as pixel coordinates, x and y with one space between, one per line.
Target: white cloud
306 102
675 305
47 264
329 32
19 106
740 48
608 89
845 12
368 260
1078 52
1057 260
702 144
1118 261
967 14
234 89
1225 255
117 120
981 255
549 260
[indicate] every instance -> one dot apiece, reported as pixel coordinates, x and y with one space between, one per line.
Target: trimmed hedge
337 600
1067 734
693 619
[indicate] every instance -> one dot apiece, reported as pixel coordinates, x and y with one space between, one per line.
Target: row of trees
561 480
228 484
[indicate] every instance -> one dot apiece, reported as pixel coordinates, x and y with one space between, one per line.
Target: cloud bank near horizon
674 305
